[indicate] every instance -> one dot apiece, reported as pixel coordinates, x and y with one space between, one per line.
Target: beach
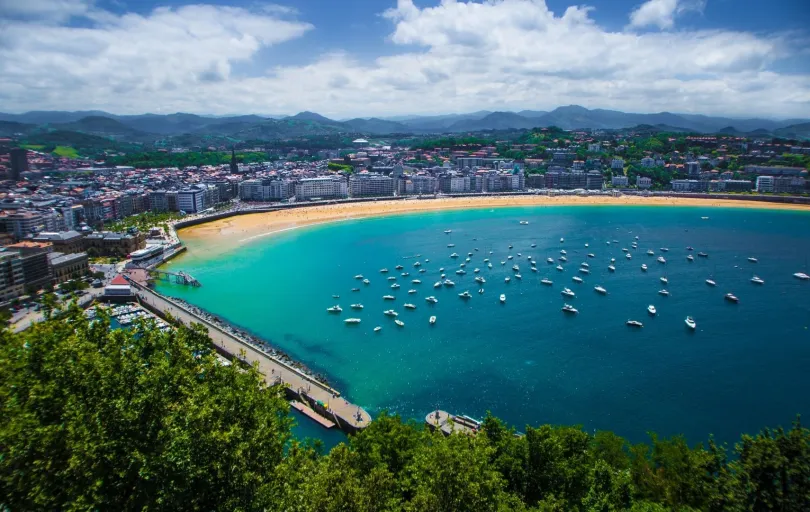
241 229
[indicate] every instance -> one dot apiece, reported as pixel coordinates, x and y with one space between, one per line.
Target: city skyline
390 58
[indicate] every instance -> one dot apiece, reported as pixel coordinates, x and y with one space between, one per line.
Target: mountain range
151 127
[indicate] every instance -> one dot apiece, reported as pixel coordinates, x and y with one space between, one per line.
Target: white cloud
45 10
662 13
457 56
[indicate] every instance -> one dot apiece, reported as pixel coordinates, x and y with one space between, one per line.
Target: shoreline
243 228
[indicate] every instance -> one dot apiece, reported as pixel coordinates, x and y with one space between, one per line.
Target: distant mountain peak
311 116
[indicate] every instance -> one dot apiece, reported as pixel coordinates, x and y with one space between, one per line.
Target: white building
367 184
323 187
594 148
265 190
647 162
765 183
617 163
620 181
643 182
191 200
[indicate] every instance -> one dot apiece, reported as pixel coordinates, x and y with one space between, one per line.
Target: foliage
123 420
143 221
333 166
65 152
163 159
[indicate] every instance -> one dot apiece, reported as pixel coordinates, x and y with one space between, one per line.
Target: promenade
322 399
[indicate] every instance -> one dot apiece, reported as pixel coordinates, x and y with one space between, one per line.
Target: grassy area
33 147
144 221
66 152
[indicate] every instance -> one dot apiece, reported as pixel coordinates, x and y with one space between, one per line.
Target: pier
174 277
315 399
448 423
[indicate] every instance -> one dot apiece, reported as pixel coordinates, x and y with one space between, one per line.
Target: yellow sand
242 229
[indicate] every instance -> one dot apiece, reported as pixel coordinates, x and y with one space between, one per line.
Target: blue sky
392 57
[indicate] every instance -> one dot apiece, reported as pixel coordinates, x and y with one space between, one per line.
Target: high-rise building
19 162
35 264
234 165
12 278
366 184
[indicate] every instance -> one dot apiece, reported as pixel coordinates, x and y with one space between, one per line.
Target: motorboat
634 323
753 260
607 243
432 299
432 320
560 268
399 267
366 281
802 276
636 237
448 231
507 279
757 280
357 306
549 261
389 297
562 240
690 248
643 267
352 321
524 222
624 249
454 255
441 269
383 270
502 298
416 281
586 244
577 279
665 293
661 260
584 270
732 298
480 291
689 257
486 260
562 258
359 277
568 293
515 268
417 264
518 276
465 295
520 255
563 252
469 254
477 270
467 260
377 329
409 306
510 246
703 255
399 323
489 265
546 281
613 260
599 289
390 312
509 257
650 252
534 245
461 272
335 296
664 249
583 264
437 284
334 309
503 263
651 310
534 269
591 255
628 256
567 308
392 278
480 280
664 279
711 282
395 286
611 268
448 282
405 274
355 289
690 322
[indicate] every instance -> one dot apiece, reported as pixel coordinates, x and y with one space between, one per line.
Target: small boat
560 268
399 267
651 310
509 257
584 270
515 268
480 280
389 297
613 260
359 276
467 260
650 252
690 248
611 268
591 255
392 278
546 281
390 312
357 306
432 299
615 241
634 323
534 269
409 306
377 329
643 267
441 269
510 246
583 264
437 284
416 281
352 321
405 274
454 255
690 322
366 281
661 260
518 276
506 279
448 231
477 270
486 260
607 243
534 245
664 249
448 282
432 320
577 279
427 260
624 249
524 222
562 240
355 289
549 261
411 292
599 289
395 286
711 282
503 263
801 275
451 245
753 260
520 255
732 298
586 245
567 308
563 252
335 296
757 280
383 270
704 218
628 256
465 295
489 265
417 264
399 323
568 293
703 255
664 279
665 293
562 258
334 309
689 257
461 272
480 291
503 298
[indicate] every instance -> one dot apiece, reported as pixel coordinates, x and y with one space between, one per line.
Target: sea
745 366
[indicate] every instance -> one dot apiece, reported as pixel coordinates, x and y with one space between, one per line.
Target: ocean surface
745 367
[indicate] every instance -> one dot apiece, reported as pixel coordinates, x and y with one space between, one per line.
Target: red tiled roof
119 280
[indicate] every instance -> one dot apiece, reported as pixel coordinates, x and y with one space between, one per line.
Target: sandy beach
243 229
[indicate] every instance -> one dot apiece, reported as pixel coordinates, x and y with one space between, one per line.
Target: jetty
179 277
448 423
314 399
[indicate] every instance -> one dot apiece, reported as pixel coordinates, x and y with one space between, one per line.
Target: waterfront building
322 187
454 184
789 185
692 169
765 184
191 200
369 185
619 180
594 180
643 182
106 243
773 170
36 268
68 266
12 278
689 186
158 201
144 257
536 181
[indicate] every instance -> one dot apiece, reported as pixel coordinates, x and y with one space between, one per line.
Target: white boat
417 264
636 237
416 281
689 257
568 293
357 306
507 279
665 293
509 257
518 276
503 263
405 274
432 320
448 282
753 260
661 260
664 279
399 267
377 329
454 255
703 255
480 280
451 245
757 280
334 309
651 310
432 299
465 295
611 268
510 246
650 252
480 291
560 268
489 265
562 258
335 296
441 269
634 323
409 306
607 243
399 323
584 271
524 222
534 245
352 321
477 270
577 279
563 252
664 249
624 249
628 256
583 264
437 284
567 308
461 272
359 276
802 276
383 270
366 281
591 255
355 289
534 269
731 297
503 298
643 267
389 297
562 240
448 231
486 260
586 245
395 286
690 322
392 278
711 282
549 261
467 260
515 268
613 260
390 312
547 281
599 289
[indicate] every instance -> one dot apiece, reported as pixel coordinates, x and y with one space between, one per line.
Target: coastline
241 229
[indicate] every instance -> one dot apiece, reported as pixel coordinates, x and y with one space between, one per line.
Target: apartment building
35 265
370 185
323 187
68 266
12 278
191 200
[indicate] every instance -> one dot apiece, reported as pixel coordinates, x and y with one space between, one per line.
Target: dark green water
745 367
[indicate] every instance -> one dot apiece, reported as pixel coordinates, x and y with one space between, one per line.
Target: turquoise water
745 367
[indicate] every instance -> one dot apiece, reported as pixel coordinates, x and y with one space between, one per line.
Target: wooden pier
174 277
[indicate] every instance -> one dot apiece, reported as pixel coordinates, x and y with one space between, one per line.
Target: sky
363 58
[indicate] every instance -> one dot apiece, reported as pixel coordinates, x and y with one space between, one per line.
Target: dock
448 423
320 399
175 277
307 411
